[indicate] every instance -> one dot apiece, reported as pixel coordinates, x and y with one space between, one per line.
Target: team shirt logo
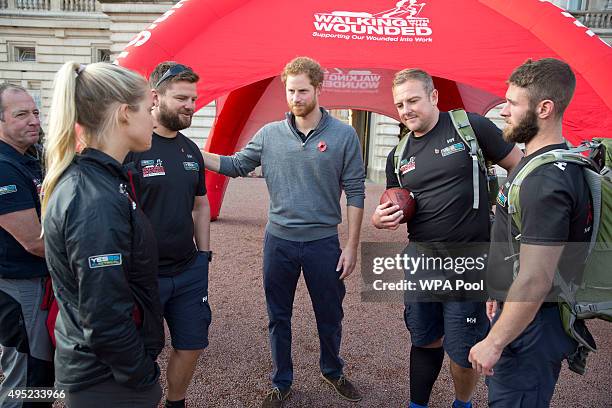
11 188
103 261
152 168
452 149
407 166
191 166
501 198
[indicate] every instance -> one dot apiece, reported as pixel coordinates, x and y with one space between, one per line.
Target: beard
524 131
173 120
303 110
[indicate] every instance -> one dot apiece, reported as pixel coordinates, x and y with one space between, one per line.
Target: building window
24 54
103 55
575 5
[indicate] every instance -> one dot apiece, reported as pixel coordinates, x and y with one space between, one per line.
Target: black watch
208 254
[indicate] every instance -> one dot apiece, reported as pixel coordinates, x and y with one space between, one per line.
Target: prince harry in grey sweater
307 160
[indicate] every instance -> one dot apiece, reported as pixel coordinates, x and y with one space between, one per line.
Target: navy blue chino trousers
283 262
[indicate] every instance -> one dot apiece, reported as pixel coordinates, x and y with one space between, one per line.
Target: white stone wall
383 138
60 36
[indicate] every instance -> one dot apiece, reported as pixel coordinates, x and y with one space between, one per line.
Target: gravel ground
234 371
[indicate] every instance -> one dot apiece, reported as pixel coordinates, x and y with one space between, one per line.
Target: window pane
25 54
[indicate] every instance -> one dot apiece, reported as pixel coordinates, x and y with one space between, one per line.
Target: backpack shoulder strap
397 156
463 127
559 155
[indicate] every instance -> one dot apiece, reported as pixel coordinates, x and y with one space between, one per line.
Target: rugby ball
403 198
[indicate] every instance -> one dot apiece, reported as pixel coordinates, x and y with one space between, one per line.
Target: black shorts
184 300
462 324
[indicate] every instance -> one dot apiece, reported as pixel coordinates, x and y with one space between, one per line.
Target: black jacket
102 256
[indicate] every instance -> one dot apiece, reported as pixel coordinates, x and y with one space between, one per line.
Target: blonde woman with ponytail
100 248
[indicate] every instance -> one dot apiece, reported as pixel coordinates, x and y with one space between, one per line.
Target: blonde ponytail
61 140
90 97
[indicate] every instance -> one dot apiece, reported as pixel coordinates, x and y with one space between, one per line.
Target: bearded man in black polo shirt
437 169
172 192
522 354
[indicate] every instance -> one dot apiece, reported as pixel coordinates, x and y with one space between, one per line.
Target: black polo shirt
437 169
299 132
20 181
171 176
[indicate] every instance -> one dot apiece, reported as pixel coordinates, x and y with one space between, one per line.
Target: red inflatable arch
469 46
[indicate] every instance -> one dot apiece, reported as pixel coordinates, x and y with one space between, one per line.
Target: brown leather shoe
343 387
275 397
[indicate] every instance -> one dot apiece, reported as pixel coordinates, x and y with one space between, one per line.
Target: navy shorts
184 299
463 324
528 369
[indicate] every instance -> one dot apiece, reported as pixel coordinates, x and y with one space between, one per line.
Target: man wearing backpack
441 168
27 354
523 352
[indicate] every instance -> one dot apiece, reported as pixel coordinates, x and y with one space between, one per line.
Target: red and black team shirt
171 175
437 169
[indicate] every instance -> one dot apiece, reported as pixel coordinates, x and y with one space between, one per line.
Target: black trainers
343 387
275 397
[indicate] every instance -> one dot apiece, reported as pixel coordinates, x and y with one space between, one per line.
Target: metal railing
594 18
81 6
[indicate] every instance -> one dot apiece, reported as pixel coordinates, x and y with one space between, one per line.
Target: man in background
27 353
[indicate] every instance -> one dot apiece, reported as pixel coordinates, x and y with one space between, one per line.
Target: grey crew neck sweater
304 179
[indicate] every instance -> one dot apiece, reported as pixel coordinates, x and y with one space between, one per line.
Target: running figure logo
402 8
403 23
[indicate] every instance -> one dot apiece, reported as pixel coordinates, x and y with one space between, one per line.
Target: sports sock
425 365
461 404
175 404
